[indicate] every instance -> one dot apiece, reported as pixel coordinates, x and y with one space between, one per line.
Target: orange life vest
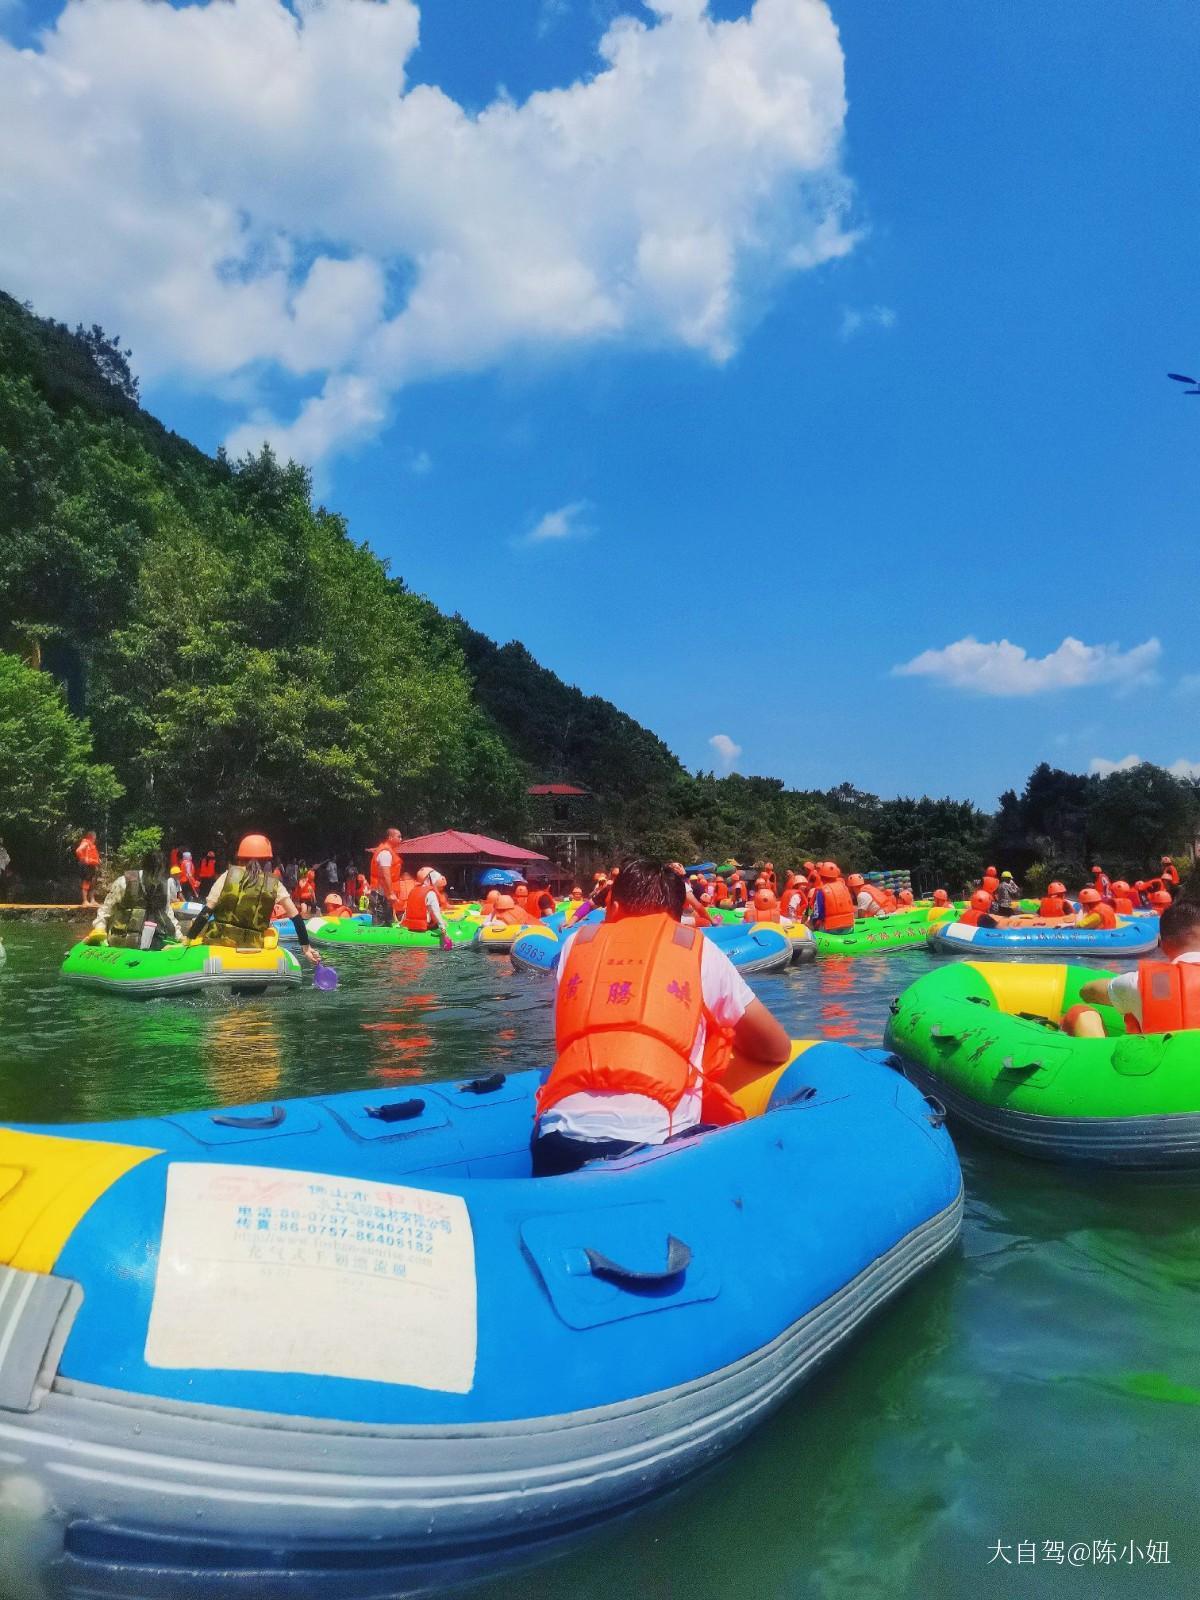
884 899
387 884
1122 905
416 912
720 892
990 882
87 854
1170 993
1170 873
839 907
630 1005
738 890
756 913
794 901
1053 905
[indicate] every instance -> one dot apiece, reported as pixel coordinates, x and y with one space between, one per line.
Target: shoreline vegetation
188 642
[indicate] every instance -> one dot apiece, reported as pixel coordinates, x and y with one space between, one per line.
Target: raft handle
273 1121
1008 1065
944 1037
937 1110
679 1257
806 1091
487 1085
894 1006
397 1111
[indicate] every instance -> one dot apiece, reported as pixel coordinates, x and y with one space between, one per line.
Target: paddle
325 977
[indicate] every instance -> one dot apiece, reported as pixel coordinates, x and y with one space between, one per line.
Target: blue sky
940 416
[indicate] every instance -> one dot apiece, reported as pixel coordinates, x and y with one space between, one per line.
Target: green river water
1041 1385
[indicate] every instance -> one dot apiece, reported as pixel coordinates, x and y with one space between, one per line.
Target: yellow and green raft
179 969
984 1037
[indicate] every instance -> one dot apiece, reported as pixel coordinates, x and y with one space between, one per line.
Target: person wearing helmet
904 900
1169 873
1122 897
941 897
540 900
241 901
1102 883
335 906
978 912
764 907
1093 911
1054 902
990 880
794 901
1006 895
832 906
1159 899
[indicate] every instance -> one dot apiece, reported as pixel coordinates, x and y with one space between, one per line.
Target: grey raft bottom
128 1498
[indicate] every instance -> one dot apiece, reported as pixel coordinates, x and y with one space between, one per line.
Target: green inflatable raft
179 969
880 936
345 932
984 1038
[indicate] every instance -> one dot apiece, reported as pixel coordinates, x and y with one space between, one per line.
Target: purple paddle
325 977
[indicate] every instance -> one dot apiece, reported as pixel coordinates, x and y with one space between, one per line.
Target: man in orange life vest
387 865
1160 996
831 908
647 1012
423 908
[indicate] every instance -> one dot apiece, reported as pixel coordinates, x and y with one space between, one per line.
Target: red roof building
554 788
453 845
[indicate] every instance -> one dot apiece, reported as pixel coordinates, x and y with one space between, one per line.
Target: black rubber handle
894 1006
806 1091
397 1111
276 1117
937 1111
487 1085
679 1258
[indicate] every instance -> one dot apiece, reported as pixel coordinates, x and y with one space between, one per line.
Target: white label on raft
963 930
269 1271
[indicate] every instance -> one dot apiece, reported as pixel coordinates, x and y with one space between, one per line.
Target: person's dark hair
154 865
1180 923
644 886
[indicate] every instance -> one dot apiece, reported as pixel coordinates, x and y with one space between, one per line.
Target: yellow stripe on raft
752 1086
1025 986
47 1185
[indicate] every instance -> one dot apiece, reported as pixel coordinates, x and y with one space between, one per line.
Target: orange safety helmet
940 897
1120 886
1057 888
764 900
830 871
981 900
491 897
1097 869
808 866
1140 885
855 881
1159 897
333 900
991 871
905 897
255 847
505 902
520 891
1089 896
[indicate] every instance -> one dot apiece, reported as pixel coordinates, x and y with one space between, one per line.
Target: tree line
190 642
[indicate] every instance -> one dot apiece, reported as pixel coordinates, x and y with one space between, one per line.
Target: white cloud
1003 668
1102 768
725 749
245 187
564 523
1099 767
854 320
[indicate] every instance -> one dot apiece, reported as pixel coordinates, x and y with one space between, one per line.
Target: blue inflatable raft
1133 936
348 1346
752 947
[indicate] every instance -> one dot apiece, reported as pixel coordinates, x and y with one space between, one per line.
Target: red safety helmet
905 897
764 899
1120 886
991 872
940 897
1056 887
855 881
1097 869
1159 897
981 900
255 847
829 870
1089 897
333 900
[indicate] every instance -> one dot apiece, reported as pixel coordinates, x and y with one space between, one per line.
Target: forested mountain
187 641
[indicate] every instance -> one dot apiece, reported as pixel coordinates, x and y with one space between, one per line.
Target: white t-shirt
868 906
1124 991
636 1117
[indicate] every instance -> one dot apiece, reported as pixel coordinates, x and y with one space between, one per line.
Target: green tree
48 781
1139 814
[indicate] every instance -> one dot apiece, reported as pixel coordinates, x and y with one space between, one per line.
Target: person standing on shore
88 856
